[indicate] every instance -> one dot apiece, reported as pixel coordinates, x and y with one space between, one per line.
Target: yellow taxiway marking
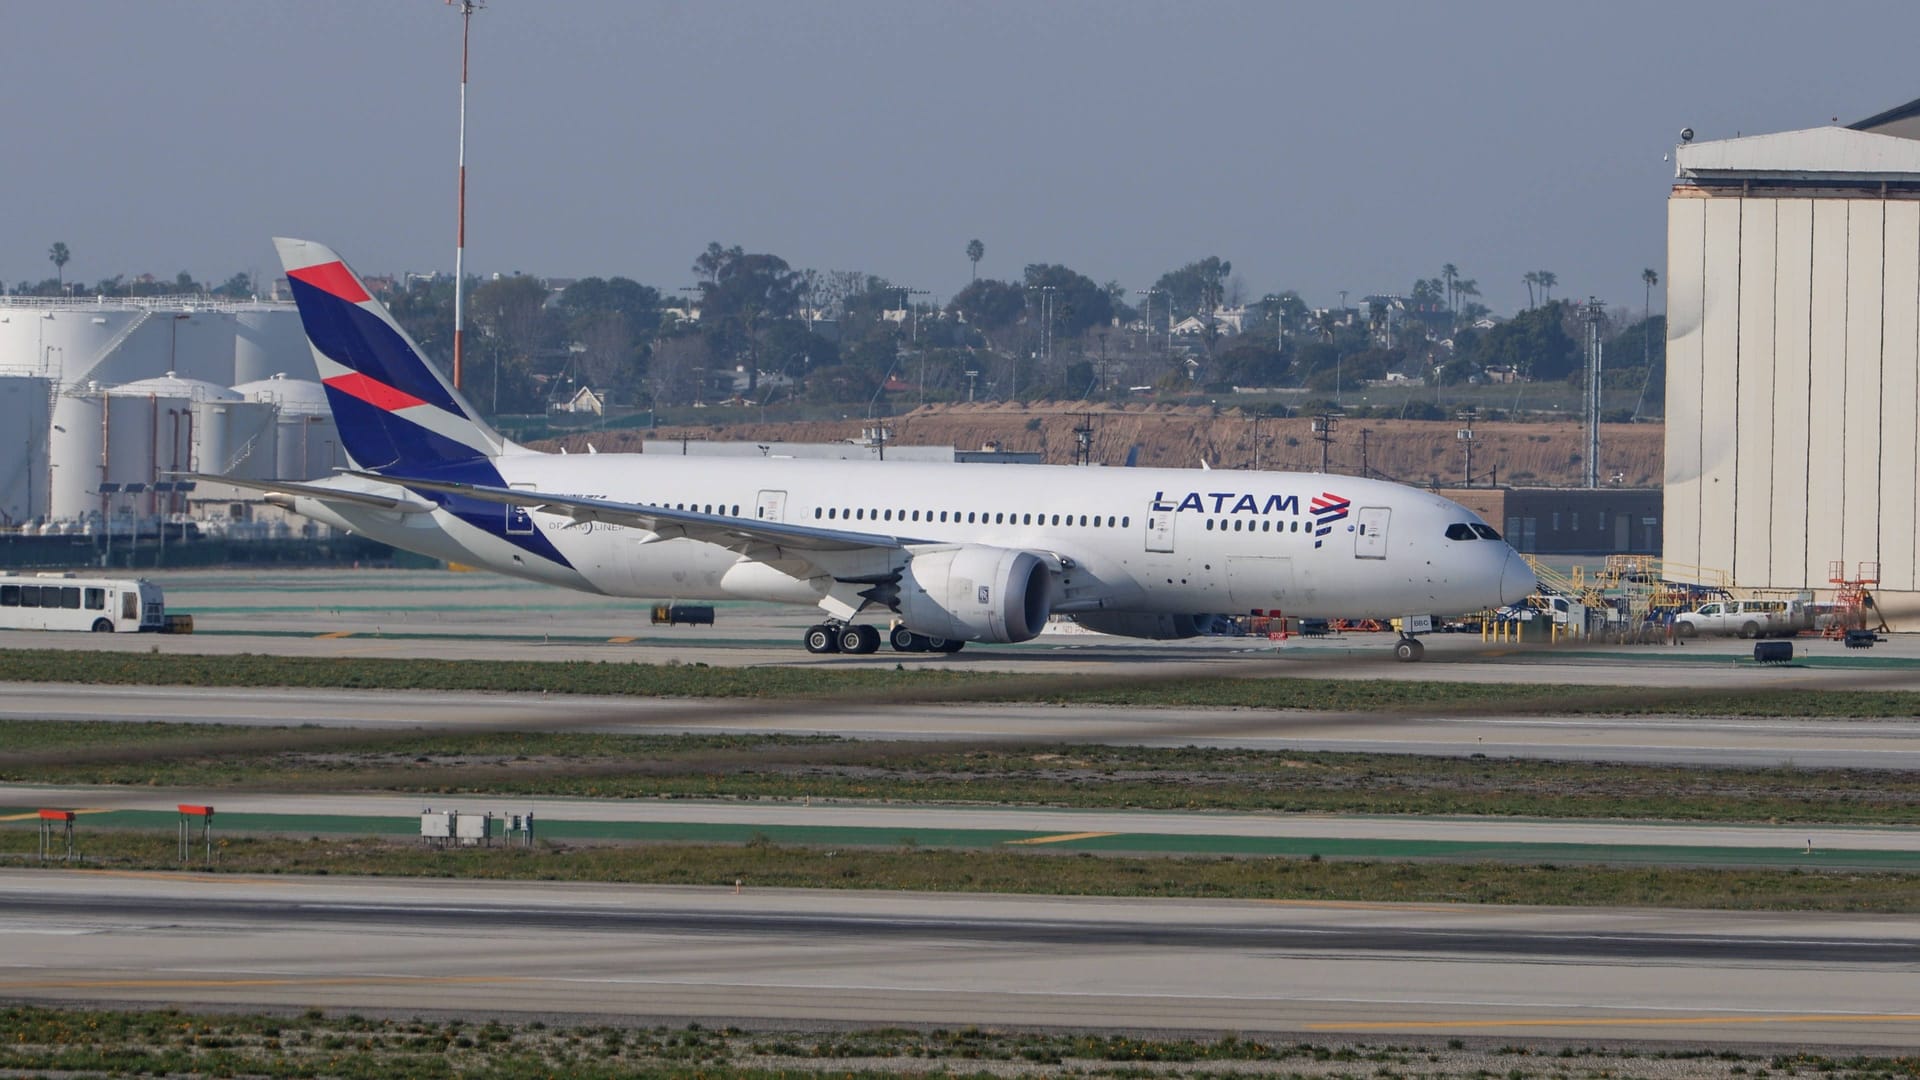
1622 1021
1061 838
34 814
215 984
621 640
336 635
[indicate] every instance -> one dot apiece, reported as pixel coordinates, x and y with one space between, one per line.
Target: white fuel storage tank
308 443
24 475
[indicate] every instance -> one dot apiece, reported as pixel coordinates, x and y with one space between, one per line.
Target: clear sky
1318 145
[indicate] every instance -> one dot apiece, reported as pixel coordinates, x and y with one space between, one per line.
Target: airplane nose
1517 580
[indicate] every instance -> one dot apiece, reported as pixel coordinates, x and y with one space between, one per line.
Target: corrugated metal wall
1793 387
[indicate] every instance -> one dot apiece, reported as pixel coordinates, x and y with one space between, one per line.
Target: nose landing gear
1408 650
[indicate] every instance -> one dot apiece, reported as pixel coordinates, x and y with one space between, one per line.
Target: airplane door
1370 533
771 506
519 519
1160 529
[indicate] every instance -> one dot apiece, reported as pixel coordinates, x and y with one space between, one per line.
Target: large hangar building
1793 358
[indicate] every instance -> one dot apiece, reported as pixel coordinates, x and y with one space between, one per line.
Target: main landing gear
1408 649
861 639
905 640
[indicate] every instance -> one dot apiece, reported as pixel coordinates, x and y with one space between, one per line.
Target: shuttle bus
71 602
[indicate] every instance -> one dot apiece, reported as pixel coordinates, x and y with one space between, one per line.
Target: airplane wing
738 534
319 491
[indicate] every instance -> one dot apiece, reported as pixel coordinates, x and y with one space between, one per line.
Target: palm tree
1531 277
1649 278
976 251
1449 274
58 255
1463 288
1547 279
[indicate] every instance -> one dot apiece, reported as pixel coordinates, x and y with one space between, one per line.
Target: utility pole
1323 426
467 8
1596 316
1365 469
1083 434
1465 435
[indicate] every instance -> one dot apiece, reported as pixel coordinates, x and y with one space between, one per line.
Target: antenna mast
467 8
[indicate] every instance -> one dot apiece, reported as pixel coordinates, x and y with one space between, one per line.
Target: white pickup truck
1746 618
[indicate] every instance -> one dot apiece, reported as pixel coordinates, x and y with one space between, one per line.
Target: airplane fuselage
1131 540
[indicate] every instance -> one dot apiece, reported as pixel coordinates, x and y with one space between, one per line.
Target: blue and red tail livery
396 414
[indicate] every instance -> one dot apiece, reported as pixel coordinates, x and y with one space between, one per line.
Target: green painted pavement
1114 843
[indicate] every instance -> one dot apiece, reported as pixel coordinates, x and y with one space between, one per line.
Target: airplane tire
859 640
1408 650
948 646
905 640
822 639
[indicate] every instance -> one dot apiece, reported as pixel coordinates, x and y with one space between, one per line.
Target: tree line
754 328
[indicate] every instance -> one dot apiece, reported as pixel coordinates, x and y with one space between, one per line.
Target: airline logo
1327 508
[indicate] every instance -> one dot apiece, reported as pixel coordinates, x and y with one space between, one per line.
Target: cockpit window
1460 530
1486 531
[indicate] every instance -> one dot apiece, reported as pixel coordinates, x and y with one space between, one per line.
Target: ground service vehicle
72 602
1746 618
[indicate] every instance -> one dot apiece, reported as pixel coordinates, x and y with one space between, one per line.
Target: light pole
1146 318
1279 322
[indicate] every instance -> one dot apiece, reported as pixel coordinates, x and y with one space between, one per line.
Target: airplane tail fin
394 411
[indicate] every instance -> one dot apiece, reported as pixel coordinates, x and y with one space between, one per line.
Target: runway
1754 741
777 957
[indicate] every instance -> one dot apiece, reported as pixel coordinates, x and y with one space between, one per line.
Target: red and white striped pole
467 8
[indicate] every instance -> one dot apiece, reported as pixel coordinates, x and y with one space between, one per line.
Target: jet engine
1142 625
973 592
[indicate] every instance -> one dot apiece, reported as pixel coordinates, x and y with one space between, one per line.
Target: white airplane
945 553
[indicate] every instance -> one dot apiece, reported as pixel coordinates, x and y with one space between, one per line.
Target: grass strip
1026 871
602 765
621 679
166 1043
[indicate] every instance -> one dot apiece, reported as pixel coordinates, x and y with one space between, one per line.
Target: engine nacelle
974 592
1142 625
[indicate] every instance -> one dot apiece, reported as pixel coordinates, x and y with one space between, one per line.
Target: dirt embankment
1413 451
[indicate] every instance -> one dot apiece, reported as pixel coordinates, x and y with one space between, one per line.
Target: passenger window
1236 524
1485 531
970 517
70 597
860 515
999 519
9 596
1460 531
1209 524
943 517
29 596
816 513
889 515
1123 521
916 515
1026 519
